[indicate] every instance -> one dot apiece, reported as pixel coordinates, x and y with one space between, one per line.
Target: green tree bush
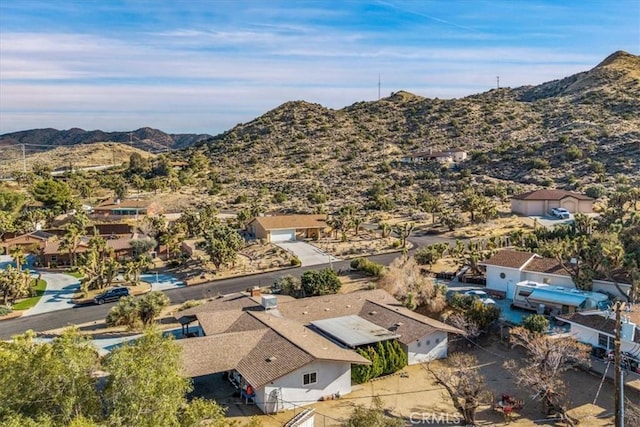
321 282
536 323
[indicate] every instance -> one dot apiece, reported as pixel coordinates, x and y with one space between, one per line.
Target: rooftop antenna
378 86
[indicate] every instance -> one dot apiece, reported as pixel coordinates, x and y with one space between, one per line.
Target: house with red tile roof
293 352
540 202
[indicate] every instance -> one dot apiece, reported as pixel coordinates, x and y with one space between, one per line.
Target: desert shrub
288 285
189 304
4 310
595 191
536 323
295 261
573 153
366 266
323 282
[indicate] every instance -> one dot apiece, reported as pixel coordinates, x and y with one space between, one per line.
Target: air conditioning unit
269 302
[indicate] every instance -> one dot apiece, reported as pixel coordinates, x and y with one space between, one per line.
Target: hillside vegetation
572 133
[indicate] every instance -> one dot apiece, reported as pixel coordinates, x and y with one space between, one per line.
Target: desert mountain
574 132
145 138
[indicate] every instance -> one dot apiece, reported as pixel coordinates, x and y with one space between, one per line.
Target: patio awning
559 298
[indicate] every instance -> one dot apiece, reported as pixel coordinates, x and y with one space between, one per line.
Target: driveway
306 253
58 295
59 292
549 221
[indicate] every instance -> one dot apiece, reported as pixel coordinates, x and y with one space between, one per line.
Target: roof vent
327 309
305 312
348 305
371 313
270 358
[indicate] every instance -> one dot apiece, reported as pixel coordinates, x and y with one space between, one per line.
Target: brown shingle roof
550 195
52 247
220 322
598 322
545 265
273 357
279 222
508 258
388 312
312 343
281 336
217 353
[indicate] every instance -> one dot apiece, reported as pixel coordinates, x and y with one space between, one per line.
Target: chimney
255 292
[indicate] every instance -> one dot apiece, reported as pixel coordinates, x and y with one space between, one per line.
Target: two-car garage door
283 235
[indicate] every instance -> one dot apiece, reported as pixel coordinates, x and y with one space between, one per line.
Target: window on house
605 341
437 340
309 378
428 342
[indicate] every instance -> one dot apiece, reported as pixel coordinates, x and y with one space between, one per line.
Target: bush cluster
368 267
386 358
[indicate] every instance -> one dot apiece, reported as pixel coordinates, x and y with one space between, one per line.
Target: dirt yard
414 395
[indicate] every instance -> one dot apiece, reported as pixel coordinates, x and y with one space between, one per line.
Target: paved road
91 313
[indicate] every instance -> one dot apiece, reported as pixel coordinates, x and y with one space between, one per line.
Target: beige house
283 228
540 202
29 242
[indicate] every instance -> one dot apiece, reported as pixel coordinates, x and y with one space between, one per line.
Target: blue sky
203 66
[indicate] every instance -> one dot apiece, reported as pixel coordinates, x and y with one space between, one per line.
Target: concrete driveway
58 295
59 292
549 221
308 254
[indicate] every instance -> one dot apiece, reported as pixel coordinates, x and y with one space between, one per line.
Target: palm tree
18 255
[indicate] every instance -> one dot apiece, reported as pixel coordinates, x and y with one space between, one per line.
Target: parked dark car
111 295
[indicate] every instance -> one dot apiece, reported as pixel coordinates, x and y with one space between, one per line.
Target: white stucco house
293 352
446 156
597 328
540 202
509 267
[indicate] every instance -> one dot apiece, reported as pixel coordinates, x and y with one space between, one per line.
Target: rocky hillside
147 139
580 131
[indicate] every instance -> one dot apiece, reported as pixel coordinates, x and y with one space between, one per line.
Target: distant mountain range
146 138
570 133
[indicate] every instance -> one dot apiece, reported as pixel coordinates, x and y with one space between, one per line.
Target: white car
560 213
481 295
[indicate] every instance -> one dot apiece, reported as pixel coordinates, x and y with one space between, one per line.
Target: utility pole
617 360
378 86
24 159
498 81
